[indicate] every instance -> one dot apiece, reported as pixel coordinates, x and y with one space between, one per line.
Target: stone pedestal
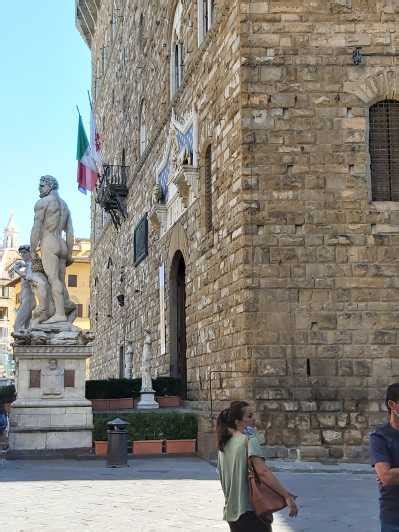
147 401
51 414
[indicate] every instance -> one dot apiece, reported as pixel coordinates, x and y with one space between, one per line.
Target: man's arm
388 476
40 211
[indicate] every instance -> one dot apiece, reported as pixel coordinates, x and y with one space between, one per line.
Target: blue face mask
250 431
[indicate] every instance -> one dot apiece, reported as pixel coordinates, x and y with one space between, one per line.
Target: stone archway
177 319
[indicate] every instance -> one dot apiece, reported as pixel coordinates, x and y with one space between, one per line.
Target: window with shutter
384 150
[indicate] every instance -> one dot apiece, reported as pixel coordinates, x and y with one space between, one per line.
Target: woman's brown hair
227 420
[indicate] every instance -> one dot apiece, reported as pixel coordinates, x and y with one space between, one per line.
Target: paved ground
166 494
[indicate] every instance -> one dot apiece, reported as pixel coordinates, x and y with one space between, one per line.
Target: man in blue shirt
384 454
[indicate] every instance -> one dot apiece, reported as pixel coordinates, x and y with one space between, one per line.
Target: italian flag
87 174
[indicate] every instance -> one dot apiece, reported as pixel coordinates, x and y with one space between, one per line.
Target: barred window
205 18
384 150
208 189
177 51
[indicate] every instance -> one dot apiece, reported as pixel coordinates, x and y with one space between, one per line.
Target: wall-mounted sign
141 241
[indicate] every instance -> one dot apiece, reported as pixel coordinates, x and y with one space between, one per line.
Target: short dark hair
24 247
392 394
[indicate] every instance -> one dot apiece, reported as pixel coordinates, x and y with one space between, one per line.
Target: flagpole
91 104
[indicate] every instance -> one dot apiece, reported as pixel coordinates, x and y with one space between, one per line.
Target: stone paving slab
166 494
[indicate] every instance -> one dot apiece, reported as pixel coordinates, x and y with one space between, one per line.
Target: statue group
44 298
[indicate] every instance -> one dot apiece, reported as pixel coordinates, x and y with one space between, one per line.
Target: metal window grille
384 150
208 189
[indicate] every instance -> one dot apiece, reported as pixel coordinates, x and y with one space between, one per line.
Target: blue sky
45 73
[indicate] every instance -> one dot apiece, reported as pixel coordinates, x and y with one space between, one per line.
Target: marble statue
33 283
129 360
52 219
53 379
27 298
146 380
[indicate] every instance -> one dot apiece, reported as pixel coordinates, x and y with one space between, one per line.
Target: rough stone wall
297 281
323 258
215 289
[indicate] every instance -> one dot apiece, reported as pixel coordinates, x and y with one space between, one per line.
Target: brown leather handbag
264 499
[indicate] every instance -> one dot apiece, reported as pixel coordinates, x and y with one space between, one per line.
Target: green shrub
122 388
7 394
150 425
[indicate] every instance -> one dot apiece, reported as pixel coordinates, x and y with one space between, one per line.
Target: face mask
249 431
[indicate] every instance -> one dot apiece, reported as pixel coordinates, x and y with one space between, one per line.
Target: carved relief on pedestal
53 380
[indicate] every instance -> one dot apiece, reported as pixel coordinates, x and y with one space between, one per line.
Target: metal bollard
117 443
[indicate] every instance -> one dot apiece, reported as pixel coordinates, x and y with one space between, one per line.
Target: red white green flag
87 174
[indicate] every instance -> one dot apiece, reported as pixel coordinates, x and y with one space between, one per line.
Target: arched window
208 189
177 52
142 128
384 150
206 10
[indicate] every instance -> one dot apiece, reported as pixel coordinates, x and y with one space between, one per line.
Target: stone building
8 253
252 155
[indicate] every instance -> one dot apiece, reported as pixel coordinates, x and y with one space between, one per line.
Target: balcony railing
112 191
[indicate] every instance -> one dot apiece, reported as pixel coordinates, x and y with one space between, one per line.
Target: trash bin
117 443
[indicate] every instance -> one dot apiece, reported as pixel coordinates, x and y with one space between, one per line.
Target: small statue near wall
146 380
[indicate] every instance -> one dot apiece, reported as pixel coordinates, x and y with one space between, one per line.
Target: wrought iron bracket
357 55
112 191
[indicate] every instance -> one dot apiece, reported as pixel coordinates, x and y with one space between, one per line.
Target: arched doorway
177 299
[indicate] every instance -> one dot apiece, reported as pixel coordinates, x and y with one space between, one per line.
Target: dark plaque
141 241
34 378
69 378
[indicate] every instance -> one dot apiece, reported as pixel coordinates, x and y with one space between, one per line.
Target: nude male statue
52 219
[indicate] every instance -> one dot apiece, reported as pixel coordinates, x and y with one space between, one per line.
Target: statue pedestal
51 415
147 401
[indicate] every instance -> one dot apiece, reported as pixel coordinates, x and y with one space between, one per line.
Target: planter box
180 446
101 448
115 404
147 447
99 404
169 401
112 404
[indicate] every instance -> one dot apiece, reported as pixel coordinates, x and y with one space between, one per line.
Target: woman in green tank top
233 470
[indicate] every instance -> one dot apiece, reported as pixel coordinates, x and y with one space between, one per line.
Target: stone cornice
52 351
86 18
